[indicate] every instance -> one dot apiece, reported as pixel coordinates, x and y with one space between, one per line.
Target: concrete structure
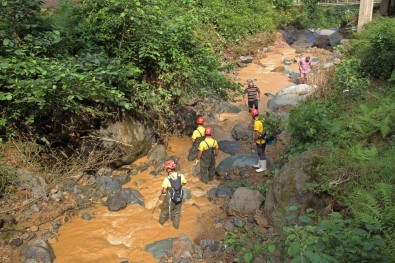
387 7
365 13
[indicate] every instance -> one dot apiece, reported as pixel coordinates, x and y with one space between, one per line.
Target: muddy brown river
112 236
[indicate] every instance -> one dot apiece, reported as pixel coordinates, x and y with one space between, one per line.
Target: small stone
56 224
86 216
238 222
262 230
34 228
16 242
251 219
229 225
153 173
218 226
34 208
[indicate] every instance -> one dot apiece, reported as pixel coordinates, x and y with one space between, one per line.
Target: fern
363 154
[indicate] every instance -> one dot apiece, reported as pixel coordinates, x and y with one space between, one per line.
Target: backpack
176 192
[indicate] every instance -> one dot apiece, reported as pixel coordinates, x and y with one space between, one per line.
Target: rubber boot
263 166
257 165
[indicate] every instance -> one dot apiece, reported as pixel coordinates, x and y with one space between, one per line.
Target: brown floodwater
112 236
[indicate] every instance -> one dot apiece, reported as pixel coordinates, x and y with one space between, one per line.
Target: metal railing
337 2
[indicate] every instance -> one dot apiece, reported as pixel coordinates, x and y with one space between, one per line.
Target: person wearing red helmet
208 150
171 186
197 137
259 138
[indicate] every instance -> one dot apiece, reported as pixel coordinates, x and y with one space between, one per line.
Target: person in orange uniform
208 150
197 137
260 141
170 208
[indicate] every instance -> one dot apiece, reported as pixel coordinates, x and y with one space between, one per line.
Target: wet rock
322 41
67 185
153 173
211 248
48 235
251 220
144 167
32 182
223 191
86 216
56 224
57 197
289 187
227 165
124 179
159 248
37 249
187 193
225 107
261 219
109 184
289 34
241 132
115 202
245 201
230 147
183 121
182 248
132 196
246 59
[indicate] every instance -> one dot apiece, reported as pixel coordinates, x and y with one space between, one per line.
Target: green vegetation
354 118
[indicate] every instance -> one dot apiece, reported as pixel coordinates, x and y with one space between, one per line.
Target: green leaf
271 248
6 42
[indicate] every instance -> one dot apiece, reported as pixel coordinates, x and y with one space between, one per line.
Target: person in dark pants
259 138
208 150
170 209
252 94
197 137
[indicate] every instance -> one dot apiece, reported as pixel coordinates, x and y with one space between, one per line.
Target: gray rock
230 147
34 208
7 221
15 242
32 182
56 224
212 194
289 187
159 248
104 171
227 165
290 35
153 173
223 191
328 65
211 248
291 96
238 222
322 41
245 201
37 249
157 154
246 59
48 235
132 196
57 197
287 62
241 64
86 216
241 132
225 107
335 38
115 202
187 194
124 179
109 184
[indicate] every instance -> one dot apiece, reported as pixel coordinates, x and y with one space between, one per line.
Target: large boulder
291 96
159 248
116 202
230 147
109 184
211 248
245 201
227 165
32 182
183 121
182 248
132 196
289 188
37 249
335 38
241 132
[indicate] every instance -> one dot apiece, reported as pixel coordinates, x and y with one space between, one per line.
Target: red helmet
254 112
200 120
208 131
170 164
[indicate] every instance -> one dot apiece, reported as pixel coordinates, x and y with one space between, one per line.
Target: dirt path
112 236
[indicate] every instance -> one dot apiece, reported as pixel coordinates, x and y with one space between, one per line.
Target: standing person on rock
208 150
252 94
197 137
259 139
304 68
173 195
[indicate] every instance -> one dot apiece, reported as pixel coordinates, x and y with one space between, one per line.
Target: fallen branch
108 140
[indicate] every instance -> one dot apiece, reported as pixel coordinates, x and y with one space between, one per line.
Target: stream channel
115 236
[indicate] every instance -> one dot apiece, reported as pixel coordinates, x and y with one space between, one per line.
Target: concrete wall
365 13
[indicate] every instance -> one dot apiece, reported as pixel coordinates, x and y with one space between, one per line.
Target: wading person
197 137
259 139
208 150
304 69
252 95
173 194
